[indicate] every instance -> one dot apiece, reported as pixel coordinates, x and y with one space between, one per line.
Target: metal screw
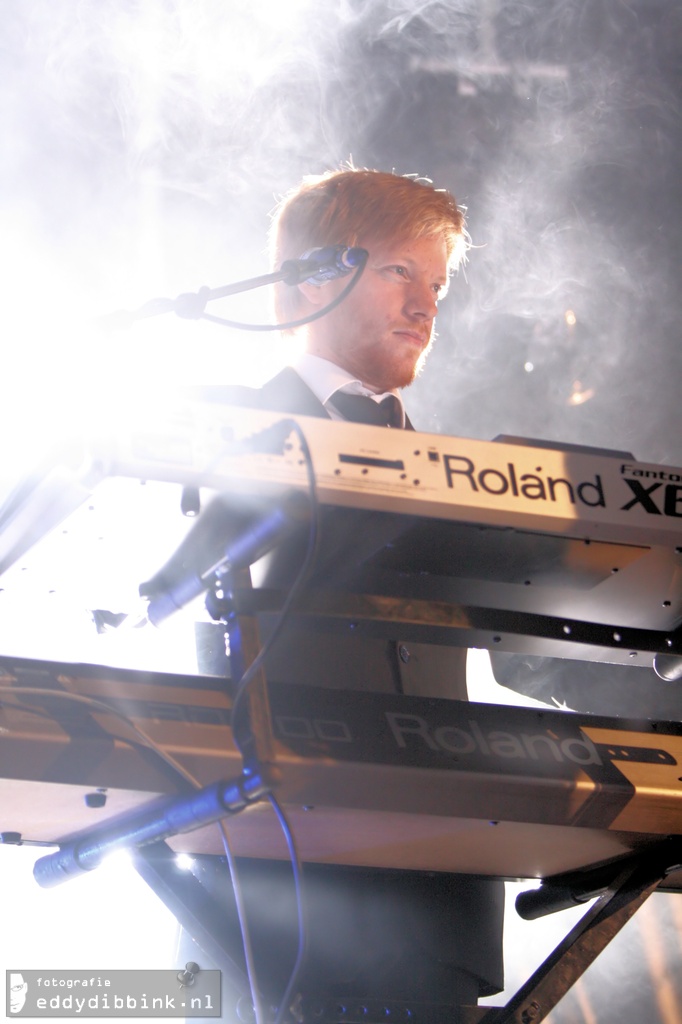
97 799
404 654
530 1013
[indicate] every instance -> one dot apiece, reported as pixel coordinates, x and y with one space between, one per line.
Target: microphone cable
291 324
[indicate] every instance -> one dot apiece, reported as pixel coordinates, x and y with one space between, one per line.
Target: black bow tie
362 409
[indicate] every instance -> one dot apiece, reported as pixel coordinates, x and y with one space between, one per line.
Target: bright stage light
105 919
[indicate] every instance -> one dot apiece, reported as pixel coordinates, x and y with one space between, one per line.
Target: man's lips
415 336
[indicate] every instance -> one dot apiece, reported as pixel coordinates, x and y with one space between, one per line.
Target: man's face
18 989
382 332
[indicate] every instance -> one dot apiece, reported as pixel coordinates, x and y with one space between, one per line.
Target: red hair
359 207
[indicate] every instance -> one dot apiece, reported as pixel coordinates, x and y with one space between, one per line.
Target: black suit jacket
286 392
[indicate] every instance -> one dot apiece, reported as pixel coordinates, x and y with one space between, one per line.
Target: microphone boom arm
318 266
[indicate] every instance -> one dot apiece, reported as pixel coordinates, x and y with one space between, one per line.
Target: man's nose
421 301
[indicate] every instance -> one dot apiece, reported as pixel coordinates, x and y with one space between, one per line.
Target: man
18 990
377 340
406 935
372 344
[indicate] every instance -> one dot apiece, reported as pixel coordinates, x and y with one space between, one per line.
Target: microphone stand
192 305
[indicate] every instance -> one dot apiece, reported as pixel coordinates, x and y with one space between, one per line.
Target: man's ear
315 295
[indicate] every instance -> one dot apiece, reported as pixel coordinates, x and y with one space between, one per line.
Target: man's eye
400 270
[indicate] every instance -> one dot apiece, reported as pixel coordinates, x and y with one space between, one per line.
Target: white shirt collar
325 378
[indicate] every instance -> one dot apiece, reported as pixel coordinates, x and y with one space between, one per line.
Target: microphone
155 822
317 266
227 534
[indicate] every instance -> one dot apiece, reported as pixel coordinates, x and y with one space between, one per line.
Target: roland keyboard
582 536
381 780
522 484
576 492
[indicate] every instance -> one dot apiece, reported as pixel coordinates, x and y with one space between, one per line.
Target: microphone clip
317 266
